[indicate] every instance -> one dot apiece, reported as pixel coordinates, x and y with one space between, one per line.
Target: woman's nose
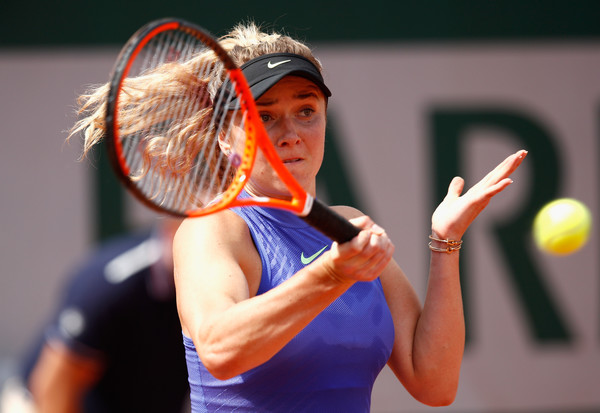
288 134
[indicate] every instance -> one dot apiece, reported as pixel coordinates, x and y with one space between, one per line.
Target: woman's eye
265 117
307 112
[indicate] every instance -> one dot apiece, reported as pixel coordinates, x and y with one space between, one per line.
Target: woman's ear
224 146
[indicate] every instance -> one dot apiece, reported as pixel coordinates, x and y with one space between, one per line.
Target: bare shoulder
222 236
222 227
217 243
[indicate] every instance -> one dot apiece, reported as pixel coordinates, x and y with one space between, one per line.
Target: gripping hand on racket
364 257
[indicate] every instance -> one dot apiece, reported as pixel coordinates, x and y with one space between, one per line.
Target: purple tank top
331 365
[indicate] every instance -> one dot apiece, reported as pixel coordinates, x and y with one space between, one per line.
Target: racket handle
330 223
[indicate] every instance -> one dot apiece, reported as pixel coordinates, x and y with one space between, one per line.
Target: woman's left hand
453 216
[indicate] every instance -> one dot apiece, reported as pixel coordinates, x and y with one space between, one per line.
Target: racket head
172 137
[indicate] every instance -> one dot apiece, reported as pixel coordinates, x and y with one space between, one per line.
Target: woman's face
294 115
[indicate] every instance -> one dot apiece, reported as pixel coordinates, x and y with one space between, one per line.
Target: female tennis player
276 316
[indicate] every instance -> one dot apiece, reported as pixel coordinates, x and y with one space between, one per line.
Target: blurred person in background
114 341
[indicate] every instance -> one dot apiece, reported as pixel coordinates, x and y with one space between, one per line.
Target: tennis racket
165 117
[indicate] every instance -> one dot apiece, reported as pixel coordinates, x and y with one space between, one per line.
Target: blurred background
422 91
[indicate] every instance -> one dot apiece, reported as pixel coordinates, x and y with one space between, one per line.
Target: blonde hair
148 93
243 43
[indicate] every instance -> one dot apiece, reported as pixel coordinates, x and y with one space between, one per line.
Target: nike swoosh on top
308 260
273 65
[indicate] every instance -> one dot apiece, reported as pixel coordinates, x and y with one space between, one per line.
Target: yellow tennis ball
562 226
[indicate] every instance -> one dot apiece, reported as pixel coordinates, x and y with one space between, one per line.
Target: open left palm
457 211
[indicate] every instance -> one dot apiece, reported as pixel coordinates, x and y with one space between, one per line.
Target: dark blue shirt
111 309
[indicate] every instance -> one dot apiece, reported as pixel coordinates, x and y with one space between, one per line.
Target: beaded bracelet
452 245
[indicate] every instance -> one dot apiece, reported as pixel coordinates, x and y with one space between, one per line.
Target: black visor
265 71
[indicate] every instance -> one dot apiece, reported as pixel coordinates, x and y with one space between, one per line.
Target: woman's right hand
361 259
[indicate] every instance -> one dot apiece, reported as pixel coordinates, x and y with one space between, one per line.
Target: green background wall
79 22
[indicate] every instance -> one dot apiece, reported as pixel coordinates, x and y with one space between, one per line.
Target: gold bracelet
452 245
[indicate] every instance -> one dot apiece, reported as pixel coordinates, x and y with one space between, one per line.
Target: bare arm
429 341
61 378
217 274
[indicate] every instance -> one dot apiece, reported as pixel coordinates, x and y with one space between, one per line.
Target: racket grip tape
330 223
